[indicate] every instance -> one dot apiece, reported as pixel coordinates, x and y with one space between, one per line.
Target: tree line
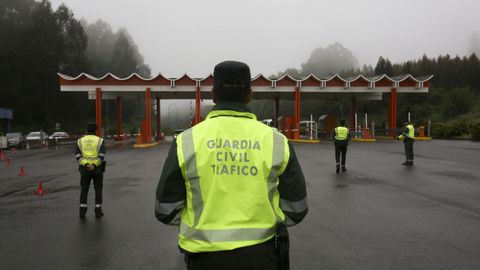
452 104
38 42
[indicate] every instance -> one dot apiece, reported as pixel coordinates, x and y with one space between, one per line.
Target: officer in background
342 135
90 152
232 184
408 136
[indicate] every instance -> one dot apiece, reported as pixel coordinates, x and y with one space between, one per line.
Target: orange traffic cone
21 172
1 155
7 162
39 189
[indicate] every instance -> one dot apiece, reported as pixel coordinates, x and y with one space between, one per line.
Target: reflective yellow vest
230 163
341 133
410 134
89 145
411 131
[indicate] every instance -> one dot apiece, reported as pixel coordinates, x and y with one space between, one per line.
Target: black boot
98 212
405 163
343 168
338 168
82 212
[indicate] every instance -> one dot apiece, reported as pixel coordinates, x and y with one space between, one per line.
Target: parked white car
59 135
37 138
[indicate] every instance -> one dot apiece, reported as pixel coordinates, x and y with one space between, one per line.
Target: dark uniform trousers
408 149
341 149
257 257
85 178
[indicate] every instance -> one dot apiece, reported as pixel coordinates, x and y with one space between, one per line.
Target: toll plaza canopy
286 87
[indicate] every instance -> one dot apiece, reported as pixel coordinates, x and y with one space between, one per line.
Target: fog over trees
37 42
452 104
474 44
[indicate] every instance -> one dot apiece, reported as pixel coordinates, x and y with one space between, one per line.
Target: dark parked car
16 140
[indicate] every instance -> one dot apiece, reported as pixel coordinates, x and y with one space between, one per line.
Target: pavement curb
304 141
363 140
145 145
385 138
416 138
423 138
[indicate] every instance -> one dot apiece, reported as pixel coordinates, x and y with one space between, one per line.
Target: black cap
231 74
92 127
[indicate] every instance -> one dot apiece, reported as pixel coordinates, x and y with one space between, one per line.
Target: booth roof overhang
185 87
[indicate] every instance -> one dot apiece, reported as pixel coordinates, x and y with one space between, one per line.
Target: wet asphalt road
378 215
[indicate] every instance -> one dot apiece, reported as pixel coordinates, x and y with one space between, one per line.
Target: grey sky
191 36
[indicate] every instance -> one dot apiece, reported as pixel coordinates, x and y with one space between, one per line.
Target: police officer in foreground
408 136
90 153
232 184
342 136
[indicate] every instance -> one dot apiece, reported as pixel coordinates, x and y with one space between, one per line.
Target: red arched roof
260 80
208 81
286 80
311 80
359 81
335 81
185 80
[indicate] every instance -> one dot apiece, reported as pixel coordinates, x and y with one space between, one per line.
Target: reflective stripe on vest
341 133
226 235
277 162
90 145
216 163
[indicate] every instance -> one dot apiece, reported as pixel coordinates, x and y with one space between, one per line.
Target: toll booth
286 125
326 125
308 130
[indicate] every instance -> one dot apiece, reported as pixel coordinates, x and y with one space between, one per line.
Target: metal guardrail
62 141
396 131
420 131
329 134
35 144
